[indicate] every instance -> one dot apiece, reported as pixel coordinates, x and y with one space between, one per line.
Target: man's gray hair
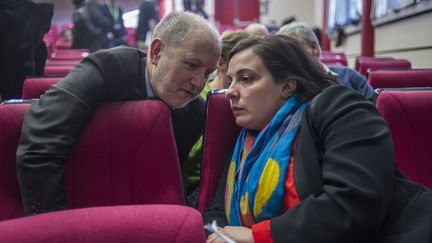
301 31
173 29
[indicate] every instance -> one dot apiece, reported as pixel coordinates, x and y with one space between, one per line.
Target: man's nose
198 81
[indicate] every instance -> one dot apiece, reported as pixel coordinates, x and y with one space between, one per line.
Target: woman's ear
288 88
156 47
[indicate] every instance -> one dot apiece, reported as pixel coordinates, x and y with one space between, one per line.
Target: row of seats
364 64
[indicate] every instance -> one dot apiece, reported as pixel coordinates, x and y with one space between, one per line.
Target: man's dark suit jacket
53 124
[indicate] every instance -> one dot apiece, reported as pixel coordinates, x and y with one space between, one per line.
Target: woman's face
254 95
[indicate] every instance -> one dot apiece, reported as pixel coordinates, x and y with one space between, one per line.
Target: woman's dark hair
286 59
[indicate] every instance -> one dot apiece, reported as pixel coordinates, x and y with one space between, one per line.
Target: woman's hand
236 233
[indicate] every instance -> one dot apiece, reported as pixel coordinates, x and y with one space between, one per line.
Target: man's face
180 73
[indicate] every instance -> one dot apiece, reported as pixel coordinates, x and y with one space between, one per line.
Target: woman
314 162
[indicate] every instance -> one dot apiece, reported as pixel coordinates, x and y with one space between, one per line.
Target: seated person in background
228 41
192 166
314 161
346 76
116 31
175 71
257 29
66 35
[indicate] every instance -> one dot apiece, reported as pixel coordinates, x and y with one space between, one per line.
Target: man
184 51
91 26
348 77
116 32
257 29
147 20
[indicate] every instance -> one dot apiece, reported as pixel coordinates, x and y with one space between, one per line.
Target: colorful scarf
257 192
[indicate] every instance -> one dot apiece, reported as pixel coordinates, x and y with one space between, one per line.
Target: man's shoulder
122 51
121 54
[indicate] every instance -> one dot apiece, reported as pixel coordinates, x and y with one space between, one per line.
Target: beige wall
399 40
280 9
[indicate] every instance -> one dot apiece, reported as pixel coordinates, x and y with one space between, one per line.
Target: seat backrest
11 117
126 155
33 88
332 60
365 66
409 115
361 59
56 70
220 134
400 78
138 223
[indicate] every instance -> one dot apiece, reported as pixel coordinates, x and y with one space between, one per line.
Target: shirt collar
149 89
328 70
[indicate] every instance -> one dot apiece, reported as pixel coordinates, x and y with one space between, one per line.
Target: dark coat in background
90 26
147 12
23 53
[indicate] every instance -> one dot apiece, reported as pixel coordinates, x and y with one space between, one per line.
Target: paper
215 229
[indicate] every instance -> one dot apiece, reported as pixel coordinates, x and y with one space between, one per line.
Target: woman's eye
245 78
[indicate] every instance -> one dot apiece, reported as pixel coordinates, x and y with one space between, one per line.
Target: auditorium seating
61 70
220 134
62 62
33 88
333 58
126 155
365 65
361 59
11 117
409 114
400 78
138 223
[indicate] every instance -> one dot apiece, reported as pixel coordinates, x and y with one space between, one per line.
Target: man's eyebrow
193 59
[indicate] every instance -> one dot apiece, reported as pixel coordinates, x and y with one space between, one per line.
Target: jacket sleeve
355 154
216 210
52 127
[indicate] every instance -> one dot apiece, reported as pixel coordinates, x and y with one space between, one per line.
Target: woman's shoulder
336 95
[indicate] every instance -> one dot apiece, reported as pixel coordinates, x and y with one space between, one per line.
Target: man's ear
156 47
221 65
315 50
288 88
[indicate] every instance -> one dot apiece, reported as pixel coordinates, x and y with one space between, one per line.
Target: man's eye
191 66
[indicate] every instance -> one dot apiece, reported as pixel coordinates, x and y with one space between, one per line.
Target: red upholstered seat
11 117
367 64
62 62
334 60
220 134
409 115
126 155
400 78
144 223
33 88
57 70
361 59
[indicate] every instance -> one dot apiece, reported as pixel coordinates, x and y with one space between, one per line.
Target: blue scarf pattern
258 193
